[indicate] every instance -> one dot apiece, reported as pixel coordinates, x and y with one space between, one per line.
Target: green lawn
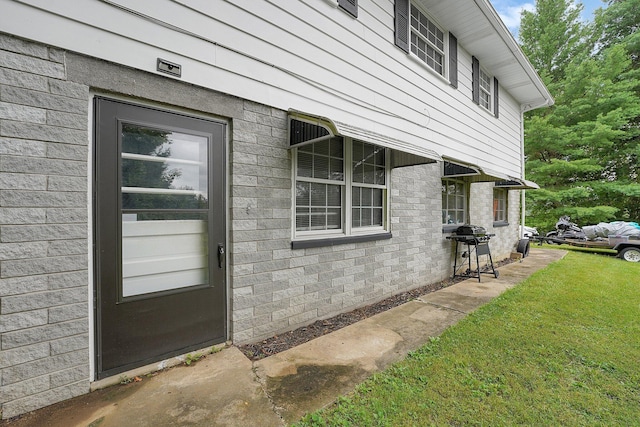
562 348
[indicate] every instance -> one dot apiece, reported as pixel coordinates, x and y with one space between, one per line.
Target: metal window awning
474 173
517 184
306 129
471 173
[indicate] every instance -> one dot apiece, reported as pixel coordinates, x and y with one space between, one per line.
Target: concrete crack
441 306
262 382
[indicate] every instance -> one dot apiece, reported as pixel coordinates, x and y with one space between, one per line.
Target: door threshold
153 367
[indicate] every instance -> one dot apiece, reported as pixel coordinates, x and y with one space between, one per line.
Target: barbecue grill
475 240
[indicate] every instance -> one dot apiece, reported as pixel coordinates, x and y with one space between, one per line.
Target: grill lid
471 230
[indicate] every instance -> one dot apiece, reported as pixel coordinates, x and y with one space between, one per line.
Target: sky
509 10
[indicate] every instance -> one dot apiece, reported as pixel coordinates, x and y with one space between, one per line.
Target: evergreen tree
583 151
619 24
553 36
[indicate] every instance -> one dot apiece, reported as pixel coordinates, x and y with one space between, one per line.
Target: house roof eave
480 31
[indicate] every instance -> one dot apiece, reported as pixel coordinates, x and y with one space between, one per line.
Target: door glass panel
162 254
163 169
164 178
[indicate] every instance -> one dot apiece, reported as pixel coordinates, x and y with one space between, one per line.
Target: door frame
93 259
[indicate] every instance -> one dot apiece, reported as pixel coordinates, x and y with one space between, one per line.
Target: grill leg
455 261
478 260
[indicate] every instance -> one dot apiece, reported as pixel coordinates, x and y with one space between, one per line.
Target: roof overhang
480 31
307 128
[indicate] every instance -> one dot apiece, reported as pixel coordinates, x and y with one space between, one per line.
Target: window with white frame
500 205
427 40
485 90
334 199
454 202
369 176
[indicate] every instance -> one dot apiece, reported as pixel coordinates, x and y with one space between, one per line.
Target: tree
619 24
553 36
583 151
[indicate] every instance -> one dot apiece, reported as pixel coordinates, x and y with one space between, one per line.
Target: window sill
342 240
485 109
428 68
500 224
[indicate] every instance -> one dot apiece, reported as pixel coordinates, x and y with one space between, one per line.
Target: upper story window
454 202
485 90
341 188
417 33
427 41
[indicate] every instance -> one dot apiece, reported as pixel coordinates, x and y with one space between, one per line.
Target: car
528 232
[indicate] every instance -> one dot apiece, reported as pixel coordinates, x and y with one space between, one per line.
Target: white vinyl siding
277 55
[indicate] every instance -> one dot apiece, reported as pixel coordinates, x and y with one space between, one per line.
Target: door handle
220 255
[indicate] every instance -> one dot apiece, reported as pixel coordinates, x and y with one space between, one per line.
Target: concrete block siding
45 286
481 213
277 288
44 327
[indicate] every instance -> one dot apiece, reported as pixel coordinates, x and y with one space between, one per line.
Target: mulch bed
284 341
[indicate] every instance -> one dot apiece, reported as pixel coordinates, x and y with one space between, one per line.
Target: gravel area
284 341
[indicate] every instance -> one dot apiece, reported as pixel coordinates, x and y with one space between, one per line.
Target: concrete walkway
227 389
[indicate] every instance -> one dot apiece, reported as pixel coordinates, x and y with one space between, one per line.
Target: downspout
522 170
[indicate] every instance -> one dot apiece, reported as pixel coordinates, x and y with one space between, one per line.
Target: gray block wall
44 224
44 327
276 288
481 213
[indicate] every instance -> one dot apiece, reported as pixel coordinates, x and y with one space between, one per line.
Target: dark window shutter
475 86
496 95
402 24
350 6
453 60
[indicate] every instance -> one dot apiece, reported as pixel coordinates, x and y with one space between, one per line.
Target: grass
562 348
